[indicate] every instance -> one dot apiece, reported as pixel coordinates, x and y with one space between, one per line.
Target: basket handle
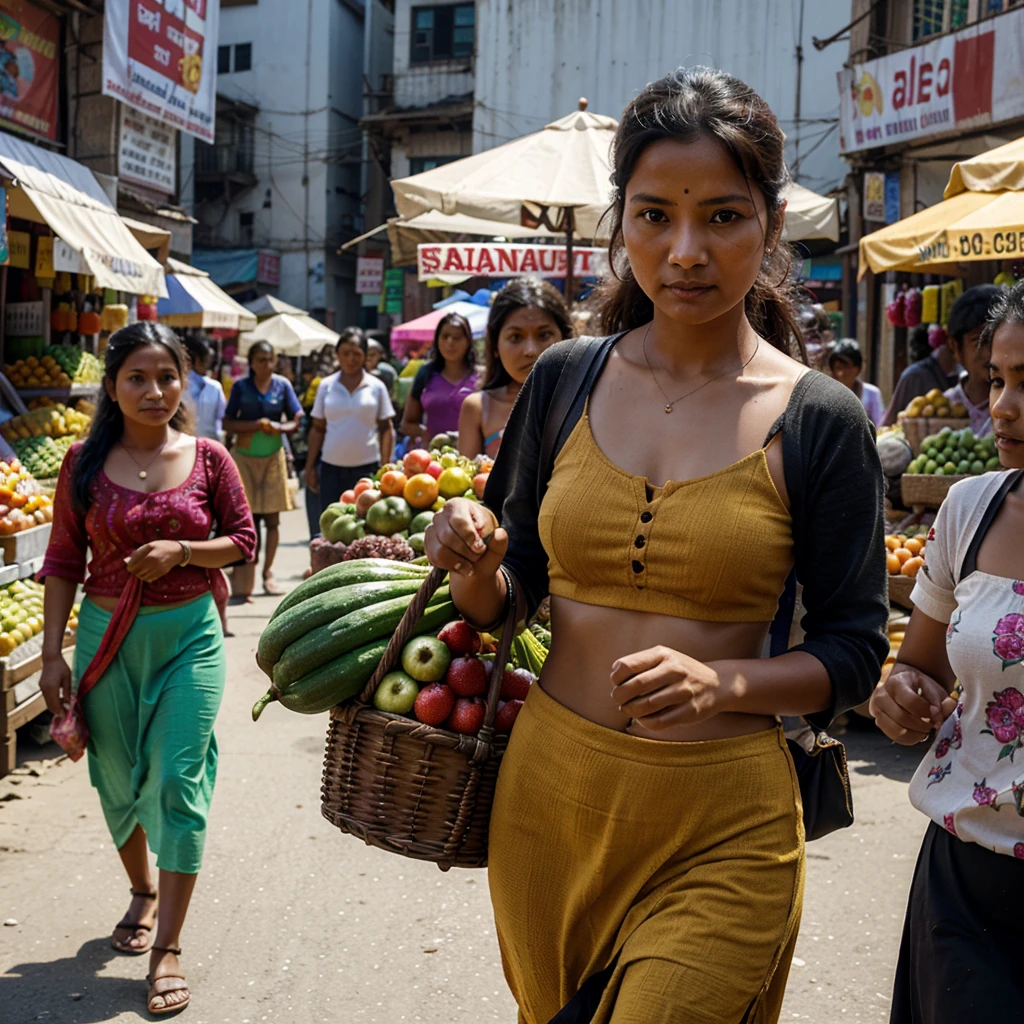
402 635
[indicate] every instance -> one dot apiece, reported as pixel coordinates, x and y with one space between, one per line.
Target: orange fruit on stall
903 555
893 564
913 545
392 484
912 566
421 491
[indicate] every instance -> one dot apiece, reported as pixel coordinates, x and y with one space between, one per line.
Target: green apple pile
955 453
21 614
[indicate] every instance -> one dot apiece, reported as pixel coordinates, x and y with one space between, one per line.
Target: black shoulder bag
819 759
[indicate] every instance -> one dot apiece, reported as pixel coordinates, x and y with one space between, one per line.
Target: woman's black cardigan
836 488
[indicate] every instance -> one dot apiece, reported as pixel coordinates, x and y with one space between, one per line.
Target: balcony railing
220 159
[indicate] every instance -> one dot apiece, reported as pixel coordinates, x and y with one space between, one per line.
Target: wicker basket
410 788
916 429
924 491
900 588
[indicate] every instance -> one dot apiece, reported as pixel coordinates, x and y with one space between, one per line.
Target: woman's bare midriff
589 639
109 604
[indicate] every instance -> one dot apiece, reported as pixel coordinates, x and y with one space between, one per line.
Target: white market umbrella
270 305
809 215
290 335
558 177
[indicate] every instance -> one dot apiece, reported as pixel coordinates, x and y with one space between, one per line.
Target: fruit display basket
422 791
917 428
925 491
900 589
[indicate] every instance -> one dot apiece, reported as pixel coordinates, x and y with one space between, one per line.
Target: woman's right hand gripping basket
420 703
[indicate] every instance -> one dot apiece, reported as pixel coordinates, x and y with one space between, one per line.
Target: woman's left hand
660 687
154 560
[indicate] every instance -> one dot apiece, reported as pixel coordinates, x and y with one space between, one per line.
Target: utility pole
797 112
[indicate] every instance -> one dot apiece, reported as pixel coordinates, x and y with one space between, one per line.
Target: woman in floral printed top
961 673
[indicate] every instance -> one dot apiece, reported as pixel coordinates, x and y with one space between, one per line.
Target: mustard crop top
714 549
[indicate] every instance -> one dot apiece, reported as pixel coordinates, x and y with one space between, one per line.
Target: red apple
434 703
515 685
416 461
467 716
460 637
348 497
435 469
506 716
479 483
467 677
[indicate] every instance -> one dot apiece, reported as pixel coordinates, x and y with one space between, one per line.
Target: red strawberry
467 677
460 637
468 716
515 685
506 716
434 704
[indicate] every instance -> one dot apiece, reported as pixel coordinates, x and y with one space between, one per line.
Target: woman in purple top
441 386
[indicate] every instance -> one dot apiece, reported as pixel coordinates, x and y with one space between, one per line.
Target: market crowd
632 890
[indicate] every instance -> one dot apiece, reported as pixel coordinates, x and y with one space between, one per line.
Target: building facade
926 83
280 188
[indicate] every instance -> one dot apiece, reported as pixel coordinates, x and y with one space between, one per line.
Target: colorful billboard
29 43
159 56
969 79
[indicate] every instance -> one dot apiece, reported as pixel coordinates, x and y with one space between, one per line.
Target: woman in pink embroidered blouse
161 513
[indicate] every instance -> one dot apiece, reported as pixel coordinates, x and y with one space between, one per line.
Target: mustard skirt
265 479
676 869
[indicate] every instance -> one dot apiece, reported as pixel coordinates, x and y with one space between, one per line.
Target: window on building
223 60
442 32
246 222
933 17
243 57
419 164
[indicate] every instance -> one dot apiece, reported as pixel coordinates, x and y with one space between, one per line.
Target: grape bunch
394 548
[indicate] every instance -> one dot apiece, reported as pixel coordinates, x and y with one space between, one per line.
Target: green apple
396 693
426 659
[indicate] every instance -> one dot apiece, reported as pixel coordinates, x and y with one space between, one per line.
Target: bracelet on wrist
186 553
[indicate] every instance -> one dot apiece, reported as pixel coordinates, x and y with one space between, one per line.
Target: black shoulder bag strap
971 558
581 369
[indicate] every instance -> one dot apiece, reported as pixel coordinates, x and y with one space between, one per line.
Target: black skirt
963 939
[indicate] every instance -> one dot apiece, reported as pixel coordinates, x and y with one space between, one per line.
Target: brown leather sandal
166 984
134 926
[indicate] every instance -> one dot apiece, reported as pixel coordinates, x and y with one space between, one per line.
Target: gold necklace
142 469
669 404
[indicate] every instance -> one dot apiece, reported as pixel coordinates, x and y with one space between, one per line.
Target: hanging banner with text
965 80
147 152
29 37
159 57
511 260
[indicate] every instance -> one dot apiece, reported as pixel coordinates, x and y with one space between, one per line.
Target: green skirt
152 752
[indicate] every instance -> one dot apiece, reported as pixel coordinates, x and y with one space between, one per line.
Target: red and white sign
159 56
369 275
495 260
29 63
969 79
268 263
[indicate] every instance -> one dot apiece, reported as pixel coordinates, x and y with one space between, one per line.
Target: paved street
294 923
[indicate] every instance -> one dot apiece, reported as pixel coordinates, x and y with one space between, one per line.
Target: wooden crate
27 545
916 429
20 697
900 588
920 490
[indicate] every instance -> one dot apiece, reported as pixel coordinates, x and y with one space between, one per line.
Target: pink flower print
1012 623
985 796
947 822
954 739
1018 588
1008 641
931 534
1018 851
1005 715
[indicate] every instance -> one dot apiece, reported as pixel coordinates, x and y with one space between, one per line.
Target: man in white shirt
204 396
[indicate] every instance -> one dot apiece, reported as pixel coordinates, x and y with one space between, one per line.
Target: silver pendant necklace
671 403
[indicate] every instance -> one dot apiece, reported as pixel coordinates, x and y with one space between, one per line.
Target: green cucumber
343 677
359 570
320 609
356 629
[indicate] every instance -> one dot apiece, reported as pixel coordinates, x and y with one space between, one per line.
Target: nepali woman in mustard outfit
646 856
